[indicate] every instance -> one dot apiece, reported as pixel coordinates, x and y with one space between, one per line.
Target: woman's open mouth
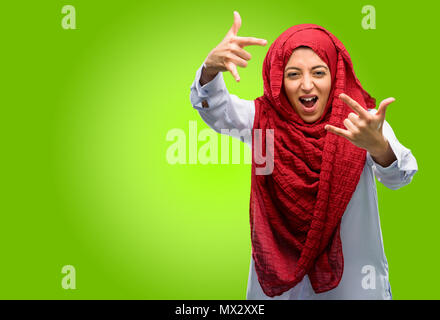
308 103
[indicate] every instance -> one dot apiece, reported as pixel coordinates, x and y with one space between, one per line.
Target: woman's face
307 83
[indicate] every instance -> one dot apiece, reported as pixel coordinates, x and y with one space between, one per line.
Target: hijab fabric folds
296 211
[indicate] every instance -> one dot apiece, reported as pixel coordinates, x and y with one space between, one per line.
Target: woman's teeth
309 102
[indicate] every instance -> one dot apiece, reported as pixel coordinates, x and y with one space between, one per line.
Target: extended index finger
353 104
250 41
236 25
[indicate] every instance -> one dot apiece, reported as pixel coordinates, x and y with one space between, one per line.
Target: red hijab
296 210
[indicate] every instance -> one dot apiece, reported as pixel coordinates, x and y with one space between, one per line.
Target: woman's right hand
229 53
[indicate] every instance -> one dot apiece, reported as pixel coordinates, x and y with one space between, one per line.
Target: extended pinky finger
338 131
232 68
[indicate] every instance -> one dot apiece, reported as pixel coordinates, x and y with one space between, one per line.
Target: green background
85 113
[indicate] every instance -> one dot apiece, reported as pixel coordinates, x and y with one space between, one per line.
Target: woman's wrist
207 75
383 155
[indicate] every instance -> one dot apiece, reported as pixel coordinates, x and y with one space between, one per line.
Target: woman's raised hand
364 130
229 53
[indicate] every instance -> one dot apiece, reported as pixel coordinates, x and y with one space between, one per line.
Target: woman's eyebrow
292 68
318 66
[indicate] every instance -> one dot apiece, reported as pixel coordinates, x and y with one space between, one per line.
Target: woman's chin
309 118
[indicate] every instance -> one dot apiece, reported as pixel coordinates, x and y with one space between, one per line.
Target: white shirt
365 273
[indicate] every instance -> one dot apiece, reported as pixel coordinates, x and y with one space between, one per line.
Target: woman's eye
292 74
320 73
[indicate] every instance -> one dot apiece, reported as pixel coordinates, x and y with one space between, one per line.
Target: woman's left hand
364 129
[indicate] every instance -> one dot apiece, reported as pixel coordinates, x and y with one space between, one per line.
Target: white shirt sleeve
402 170
225 113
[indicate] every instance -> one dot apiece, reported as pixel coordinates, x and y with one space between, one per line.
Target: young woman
315 227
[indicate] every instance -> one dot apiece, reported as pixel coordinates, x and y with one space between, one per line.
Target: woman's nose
307 83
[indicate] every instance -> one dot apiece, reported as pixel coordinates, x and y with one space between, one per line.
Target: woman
315 225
